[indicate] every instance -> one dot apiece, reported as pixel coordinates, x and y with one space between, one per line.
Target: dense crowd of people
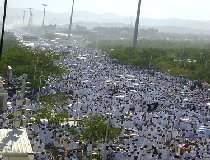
162 118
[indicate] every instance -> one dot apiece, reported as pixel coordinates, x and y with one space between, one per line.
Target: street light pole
3 24
71 18
107 129
44 5
24 14
106 137
40 82
136 29
76 117
30 18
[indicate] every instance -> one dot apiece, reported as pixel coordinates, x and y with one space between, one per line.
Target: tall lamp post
30 18
135 37
44 5
24 14
71 18
3 24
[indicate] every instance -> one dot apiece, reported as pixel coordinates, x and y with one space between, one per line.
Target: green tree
193 63
54 99
36 64
94 127
53 118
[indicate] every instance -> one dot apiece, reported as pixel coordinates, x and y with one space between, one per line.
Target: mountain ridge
15 16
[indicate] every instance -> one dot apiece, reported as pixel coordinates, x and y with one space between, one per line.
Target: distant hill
181 30
89 19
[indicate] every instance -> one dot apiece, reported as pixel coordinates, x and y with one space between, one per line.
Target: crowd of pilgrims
160 116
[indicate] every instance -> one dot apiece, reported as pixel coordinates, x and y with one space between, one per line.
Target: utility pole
44 5
24 14
71 18
3 24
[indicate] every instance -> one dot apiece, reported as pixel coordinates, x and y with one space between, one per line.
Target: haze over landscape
155 9
105 80
165 15
110 10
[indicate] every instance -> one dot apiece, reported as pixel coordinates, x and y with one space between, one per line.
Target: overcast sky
160 9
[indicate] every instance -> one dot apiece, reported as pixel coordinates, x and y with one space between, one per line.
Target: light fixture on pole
44 5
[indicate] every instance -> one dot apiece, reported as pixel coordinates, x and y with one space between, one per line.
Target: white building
15 145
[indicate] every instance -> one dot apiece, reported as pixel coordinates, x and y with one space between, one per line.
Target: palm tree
3 24
70 24
136 26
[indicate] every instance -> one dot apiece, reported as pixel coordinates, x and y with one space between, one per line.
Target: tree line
191 62
36 64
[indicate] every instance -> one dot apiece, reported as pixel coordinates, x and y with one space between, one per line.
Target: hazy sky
161 9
